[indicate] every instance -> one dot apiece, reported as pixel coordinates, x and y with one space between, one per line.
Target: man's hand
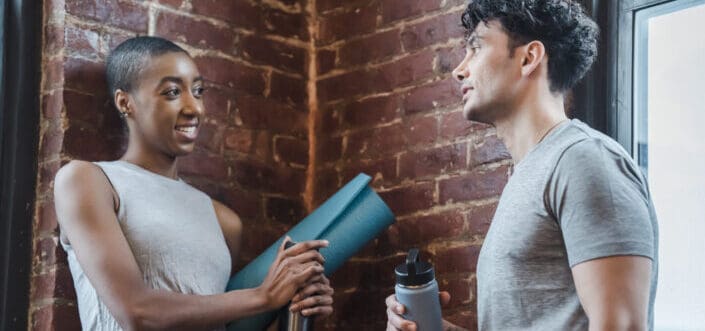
394 310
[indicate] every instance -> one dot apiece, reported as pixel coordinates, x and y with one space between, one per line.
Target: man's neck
525 128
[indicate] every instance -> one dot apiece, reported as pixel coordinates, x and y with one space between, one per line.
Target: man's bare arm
614 292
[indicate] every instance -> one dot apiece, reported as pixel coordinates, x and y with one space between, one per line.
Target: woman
146 250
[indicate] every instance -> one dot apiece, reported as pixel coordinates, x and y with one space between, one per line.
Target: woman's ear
532 54
122 102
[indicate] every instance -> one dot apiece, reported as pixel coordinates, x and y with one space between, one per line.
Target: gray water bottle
417 290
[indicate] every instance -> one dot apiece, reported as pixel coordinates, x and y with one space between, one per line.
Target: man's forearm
448 326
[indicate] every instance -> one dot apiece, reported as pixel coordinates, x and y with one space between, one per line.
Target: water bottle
293 321
417 290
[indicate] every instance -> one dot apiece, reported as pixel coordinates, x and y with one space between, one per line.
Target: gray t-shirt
575 197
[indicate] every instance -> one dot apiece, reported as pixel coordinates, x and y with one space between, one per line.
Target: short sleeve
601 202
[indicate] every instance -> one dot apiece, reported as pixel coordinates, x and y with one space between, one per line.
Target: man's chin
475 115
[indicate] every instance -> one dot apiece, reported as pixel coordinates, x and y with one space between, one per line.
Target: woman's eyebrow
172 79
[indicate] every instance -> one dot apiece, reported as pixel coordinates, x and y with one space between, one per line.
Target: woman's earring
124 114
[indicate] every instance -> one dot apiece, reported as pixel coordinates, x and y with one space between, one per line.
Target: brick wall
387 106
281 135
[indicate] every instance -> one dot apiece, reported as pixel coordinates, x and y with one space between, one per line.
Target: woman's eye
172 93
198 92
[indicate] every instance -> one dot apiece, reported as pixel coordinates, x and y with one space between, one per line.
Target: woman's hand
315 298
291 270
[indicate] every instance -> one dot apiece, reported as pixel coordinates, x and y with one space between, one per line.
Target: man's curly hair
569 35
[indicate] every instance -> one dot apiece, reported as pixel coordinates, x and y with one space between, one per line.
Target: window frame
20 76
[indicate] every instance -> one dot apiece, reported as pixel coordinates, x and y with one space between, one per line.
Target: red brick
457 259
489 150
393 10
245 203
454 125
258 236
353 21
56 317
459 288
53 71
267 114
47 172
370 49
463 318
328 149
194 32
291 150
239 140
226 72
421 230
372 111
292 91
436 30
56 283
432 162
375 142
326 60
409 199
273 53
260 176
82 42
286 211
325 5
326 183
429 97
480 218
479 184
449 58
352 84
52 105
381 170
210 137
330 119
217 103
51 143
409 69
85 75
118 13
115 38
87 144
53 39
47 252
241 14
284 24
83 107
46 217
421 130
203 164
172 3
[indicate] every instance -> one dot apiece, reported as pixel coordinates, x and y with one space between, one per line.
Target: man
574 241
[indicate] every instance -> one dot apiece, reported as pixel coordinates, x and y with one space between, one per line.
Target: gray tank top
174 235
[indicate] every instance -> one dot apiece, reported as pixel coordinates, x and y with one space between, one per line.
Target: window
668 140
20 49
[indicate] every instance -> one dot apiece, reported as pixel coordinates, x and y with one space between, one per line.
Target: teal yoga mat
348 220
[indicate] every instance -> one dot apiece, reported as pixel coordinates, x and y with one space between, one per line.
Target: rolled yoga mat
349 219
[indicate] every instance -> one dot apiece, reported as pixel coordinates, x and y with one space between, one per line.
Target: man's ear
122 102
532 55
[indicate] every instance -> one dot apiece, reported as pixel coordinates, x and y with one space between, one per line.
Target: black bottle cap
414 272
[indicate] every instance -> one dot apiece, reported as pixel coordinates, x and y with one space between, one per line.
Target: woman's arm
85 209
